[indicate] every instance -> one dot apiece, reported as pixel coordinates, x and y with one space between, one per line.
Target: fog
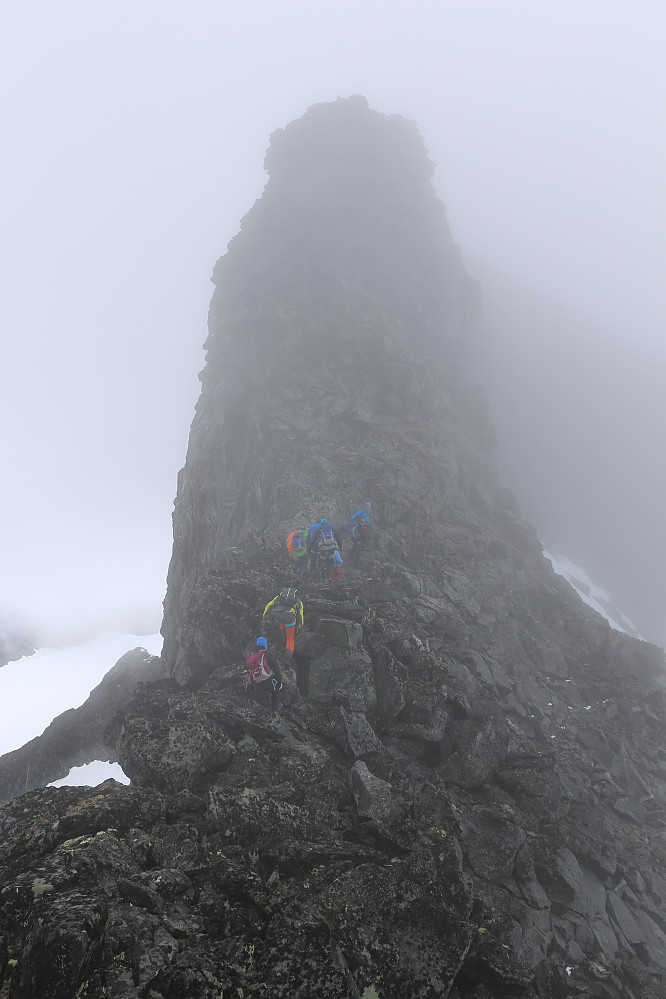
580 418
134 137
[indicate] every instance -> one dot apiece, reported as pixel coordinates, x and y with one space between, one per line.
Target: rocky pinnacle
463 793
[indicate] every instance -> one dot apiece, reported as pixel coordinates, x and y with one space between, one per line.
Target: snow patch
36 689
591 594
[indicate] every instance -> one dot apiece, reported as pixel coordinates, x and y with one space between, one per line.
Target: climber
363 514
310 544
360 536
286 609
325 540
359 530
336 568
297 548
264 679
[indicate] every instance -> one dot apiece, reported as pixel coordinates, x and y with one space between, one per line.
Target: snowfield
36 689
592 595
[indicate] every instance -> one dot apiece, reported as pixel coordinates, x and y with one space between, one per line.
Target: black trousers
265 693
326 564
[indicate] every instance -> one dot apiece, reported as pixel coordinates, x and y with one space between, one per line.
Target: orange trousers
290 630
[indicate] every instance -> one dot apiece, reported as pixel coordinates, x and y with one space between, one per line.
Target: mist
580 418
134 142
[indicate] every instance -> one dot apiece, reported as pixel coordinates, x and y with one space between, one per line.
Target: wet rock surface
463 793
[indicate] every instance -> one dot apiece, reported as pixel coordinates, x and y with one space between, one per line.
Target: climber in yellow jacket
286 609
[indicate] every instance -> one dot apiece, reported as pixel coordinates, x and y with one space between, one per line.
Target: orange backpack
296 542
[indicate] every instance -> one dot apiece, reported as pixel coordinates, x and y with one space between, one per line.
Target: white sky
92 774
133 141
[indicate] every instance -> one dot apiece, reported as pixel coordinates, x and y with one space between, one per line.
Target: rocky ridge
463 794
77 736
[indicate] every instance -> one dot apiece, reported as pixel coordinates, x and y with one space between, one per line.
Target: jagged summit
464 793
348 212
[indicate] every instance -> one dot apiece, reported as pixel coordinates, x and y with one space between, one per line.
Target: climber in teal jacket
359 530
362 515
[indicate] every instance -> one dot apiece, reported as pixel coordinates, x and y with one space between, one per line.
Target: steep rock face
463 794
338 309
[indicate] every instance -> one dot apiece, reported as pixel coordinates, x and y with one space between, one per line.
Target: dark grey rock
341 633
390 679
655 938
477 755
560 869
493 843
624 919
374 798
353 733
348 672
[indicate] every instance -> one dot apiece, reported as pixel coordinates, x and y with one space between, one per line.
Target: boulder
340 633
374 797
476 756
352 732
391 679
171 756
349 672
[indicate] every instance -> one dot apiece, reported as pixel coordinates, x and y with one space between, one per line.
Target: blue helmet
262 643
323 521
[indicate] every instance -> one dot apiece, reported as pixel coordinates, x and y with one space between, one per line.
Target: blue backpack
313 530
327 543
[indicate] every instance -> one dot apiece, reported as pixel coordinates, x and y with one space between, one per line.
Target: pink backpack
258 666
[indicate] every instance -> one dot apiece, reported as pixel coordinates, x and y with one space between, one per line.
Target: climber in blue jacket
311 544
359 530
362 515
